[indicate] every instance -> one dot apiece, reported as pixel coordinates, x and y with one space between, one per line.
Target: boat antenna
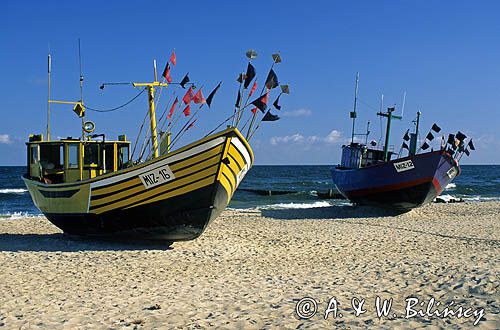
403 107
49 68
353 113
367 132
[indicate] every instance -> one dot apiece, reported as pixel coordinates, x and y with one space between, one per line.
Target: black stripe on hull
403 199
178 218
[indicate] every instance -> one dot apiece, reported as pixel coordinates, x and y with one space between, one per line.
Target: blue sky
444 54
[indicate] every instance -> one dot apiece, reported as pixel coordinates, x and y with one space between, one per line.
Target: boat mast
353 113
49 64
389 116
414 136
152 116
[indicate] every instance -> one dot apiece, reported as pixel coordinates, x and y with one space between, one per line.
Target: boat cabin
356 155
70 160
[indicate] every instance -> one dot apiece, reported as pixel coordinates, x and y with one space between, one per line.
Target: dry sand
250 268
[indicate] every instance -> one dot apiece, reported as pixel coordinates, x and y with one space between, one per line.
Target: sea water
301 183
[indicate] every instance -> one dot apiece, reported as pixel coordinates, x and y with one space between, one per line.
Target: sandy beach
251 269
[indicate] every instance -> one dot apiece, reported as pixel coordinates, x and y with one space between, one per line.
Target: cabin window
51 156
109 158
73 156
123 156
34 154
91 154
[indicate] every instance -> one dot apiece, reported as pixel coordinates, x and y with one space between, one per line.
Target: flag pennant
241 78
471 145
184 81
188 96
254 87
166 73
272 80
211 95
451 139
467 152
450 151
187 110
172 108
405 146
192 124
407 136
198 97
429 136
238 99
436 128
173 58
249 75
254 110
270 117
425 146
261 102
275 103
460 136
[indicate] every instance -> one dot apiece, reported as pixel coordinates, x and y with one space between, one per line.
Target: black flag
261 102
460 136
425 146
211 96
450 151
436 128
451 139
467 152
471 145
275 103
238 99
429 136
406 137
405 146
272 80
250 75
184 80
241 77
270 117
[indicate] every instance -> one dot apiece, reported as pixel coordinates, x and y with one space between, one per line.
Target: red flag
254 110
265 99
189 95
187 110
172 108
192 124
198 97
173 58
166 73
254 87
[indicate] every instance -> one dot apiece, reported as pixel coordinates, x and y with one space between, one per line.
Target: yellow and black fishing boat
90 186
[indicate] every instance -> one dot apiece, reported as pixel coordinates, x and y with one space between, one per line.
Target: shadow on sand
332 212
67 243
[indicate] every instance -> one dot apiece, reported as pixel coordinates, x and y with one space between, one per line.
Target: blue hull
401 184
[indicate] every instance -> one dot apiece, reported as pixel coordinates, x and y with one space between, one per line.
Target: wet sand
250 269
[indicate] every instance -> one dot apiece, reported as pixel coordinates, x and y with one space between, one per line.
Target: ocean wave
480 198
18 215
280 206
13 191
450 186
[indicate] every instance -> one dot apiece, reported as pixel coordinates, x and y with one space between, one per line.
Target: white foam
13 191
17 215
280 206
450 186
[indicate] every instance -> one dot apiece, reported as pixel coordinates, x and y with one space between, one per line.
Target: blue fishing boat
375 176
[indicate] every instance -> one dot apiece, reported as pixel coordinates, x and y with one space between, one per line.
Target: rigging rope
118 107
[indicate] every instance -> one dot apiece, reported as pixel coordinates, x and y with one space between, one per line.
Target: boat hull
121 205
382 185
